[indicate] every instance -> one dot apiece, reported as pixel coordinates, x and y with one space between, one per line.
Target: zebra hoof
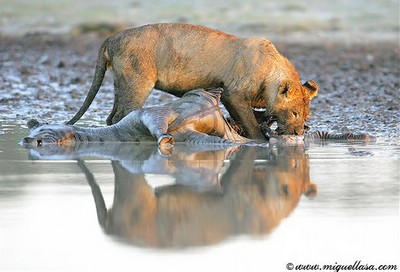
165 144
165 140
165 152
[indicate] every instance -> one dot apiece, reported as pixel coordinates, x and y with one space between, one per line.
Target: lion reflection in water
258 189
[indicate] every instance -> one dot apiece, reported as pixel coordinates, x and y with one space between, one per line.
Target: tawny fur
177 58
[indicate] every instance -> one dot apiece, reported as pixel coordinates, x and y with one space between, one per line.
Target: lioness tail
101 67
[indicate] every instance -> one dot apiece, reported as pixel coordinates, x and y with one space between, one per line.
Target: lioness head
292 107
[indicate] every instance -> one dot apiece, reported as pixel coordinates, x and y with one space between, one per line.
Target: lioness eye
38 142
295 114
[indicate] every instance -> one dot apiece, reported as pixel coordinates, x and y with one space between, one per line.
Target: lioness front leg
242 112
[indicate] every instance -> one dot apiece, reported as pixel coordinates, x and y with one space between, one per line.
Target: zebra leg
267 131
323 135
195 137
157 121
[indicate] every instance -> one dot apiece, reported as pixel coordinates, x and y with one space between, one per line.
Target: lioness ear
32 123
312 88
284 89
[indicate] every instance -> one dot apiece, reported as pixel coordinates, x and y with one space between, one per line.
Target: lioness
177 58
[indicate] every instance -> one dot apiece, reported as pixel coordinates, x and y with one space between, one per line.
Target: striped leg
157 121
195 137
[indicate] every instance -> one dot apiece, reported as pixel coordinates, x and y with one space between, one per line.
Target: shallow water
126 206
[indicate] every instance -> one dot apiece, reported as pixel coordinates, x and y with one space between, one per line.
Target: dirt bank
47 77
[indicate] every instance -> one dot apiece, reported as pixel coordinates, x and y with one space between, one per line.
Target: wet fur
195 118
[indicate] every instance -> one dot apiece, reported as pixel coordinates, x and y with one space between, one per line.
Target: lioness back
173 57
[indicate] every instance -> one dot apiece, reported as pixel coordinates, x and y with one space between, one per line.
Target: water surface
126 206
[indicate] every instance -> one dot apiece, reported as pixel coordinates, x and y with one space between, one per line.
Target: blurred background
307 21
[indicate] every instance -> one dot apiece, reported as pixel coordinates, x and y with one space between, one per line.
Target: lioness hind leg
131 91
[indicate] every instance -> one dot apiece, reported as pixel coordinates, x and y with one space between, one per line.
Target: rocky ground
47 77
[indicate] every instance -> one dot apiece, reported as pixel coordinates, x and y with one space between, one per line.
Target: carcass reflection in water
218 192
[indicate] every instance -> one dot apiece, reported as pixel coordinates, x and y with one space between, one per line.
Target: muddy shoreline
47 77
